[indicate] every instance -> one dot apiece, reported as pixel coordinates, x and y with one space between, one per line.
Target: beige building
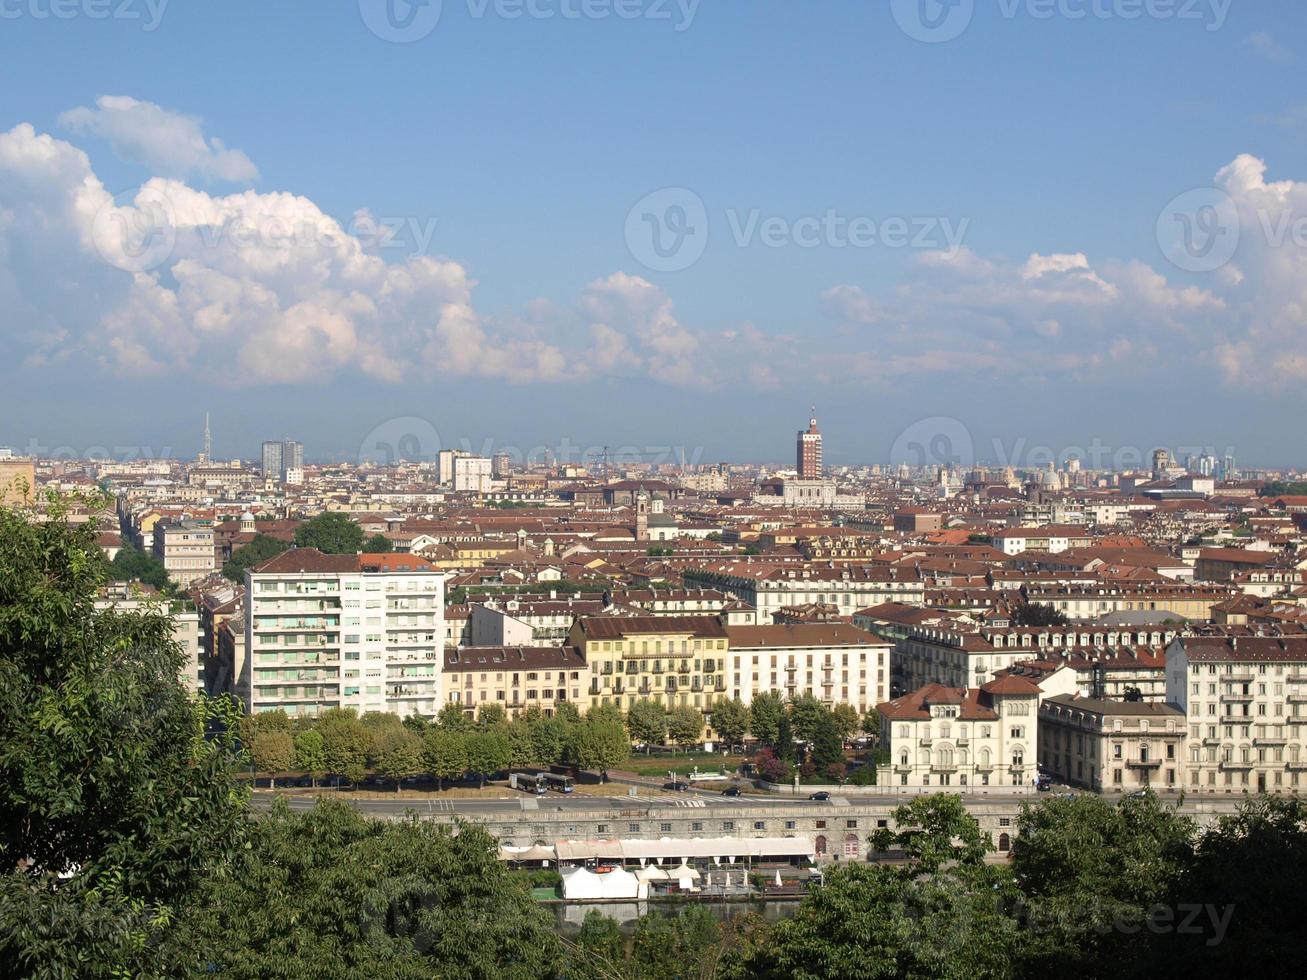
1245 700
1111 746
17 481
941 736
129 597
517 678
185 548
835 662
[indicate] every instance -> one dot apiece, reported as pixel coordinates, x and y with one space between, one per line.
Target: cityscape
628 489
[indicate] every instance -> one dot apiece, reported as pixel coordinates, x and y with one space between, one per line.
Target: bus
557 782
528 782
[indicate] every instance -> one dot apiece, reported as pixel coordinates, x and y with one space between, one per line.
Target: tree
684 725
549 736
378 544
567 713
647 723
807 715
399 754
444 753
521 742
453 718
273 752
730 717
377 724
345 742
114 806
329 892
492 715
827 746
600 743
488 752
765 713
331 533
871 723
934 830
310 753
846 720
133 564
260 549
1038 614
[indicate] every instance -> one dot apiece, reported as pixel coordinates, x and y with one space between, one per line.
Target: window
728 825
851 824
665 828
632 828
760 825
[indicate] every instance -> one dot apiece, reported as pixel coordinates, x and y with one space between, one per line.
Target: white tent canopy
685 849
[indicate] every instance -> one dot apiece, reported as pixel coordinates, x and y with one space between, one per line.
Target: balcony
1242 677
1211 741
1143 763
1297 719
1235 764
1270 740
926 740
1297 698
1297 678
1237 698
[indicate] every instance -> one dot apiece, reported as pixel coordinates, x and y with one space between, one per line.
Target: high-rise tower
206 452
808 450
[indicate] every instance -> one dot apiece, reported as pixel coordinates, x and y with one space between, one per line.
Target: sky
992 230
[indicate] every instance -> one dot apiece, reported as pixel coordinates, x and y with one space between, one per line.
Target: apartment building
1245 701
517 678
941 736
359 631
769 587
1179 600
1112 746
835 662
1051 539
675 660
186 549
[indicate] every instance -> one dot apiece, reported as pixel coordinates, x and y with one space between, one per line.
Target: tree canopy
332 533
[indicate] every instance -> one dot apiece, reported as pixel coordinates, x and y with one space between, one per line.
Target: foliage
827 746
345 742
765 713
1038 614
684 725
378 544
846 720
647 722
599 742
273 752
110 793
444 753
131 564
332 533
260 549
398 754
310 753
730 718
487 752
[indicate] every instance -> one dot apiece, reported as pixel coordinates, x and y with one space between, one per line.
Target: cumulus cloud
166 142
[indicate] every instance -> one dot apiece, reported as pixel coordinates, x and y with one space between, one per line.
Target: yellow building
674 660
17 481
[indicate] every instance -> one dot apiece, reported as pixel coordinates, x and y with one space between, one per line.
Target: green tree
600 743
273 752
328 892
599 949
454 718
647 723
132 564
310 753
550 738
846 720
935 830
1038 614
260 549
332 533
114 806
345 742
444 753
730 717
399 754
765 713
827 746
492 715
567 713
377 725
378 544
807 715
488 752
684 725
521 742
871 723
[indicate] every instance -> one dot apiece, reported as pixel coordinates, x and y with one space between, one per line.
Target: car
1043 784
821 797
731 791
676 786
1139 794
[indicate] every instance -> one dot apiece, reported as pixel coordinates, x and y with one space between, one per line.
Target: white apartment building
356 631
834 662
769 587
1112 746
1245 700
473 474
941 736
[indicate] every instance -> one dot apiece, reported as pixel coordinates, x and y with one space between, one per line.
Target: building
1245 701
771 587
837 663
1111 746
279 458
808 451
962 737
185 548
916 520
674 660
472 474
17 481
356 631
124 597
517 678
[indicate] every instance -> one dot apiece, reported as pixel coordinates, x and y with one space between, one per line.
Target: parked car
677 786
820 797
731 791
1043 784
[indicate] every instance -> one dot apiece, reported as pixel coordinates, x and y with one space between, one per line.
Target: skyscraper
808 450
272 460
281 457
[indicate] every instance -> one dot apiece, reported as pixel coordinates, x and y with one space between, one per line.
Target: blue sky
528 141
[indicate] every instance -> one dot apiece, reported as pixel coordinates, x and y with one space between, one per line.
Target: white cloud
1263 45
166 142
